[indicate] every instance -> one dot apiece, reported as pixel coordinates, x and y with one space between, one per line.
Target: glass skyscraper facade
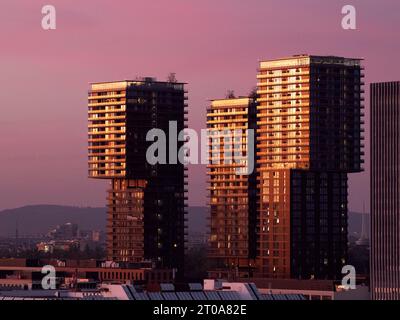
385 191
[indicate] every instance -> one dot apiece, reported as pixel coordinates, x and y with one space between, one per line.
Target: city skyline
177 151
221 56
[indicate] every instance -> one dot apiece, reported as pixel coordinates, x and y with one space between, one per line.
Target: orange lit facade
309 134
146 204
125 222
232 196
283 141
107 130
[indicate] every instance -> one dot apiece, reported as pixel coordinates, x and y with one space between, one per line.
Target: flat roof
305 59
299 56
231 99
144 80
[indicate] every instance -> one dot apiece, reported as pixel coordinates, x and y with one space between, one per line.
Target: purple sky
212 45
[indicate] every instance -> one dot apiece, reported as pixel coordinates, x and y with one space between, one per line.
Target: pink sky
212 45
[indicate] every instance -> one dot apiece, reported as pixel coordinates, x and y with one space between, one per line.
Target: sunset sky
213 45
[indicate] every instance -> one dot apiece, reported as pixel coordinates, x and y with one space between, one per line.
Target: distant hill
40 219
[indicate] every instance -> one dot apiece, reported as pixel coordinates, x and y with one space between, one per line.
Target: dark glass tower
318 224
146 203
385 191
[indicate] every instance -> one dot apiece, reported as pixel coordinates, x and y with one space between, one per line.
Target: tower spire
363 240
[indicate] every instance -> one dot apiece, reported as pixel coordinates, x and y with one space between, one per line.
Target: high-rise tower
232 203
385 191
309 137
146 204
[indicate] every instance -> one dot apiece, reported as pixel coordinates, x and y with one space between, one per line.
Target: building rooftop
129 292
294 284
126 82
304 59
